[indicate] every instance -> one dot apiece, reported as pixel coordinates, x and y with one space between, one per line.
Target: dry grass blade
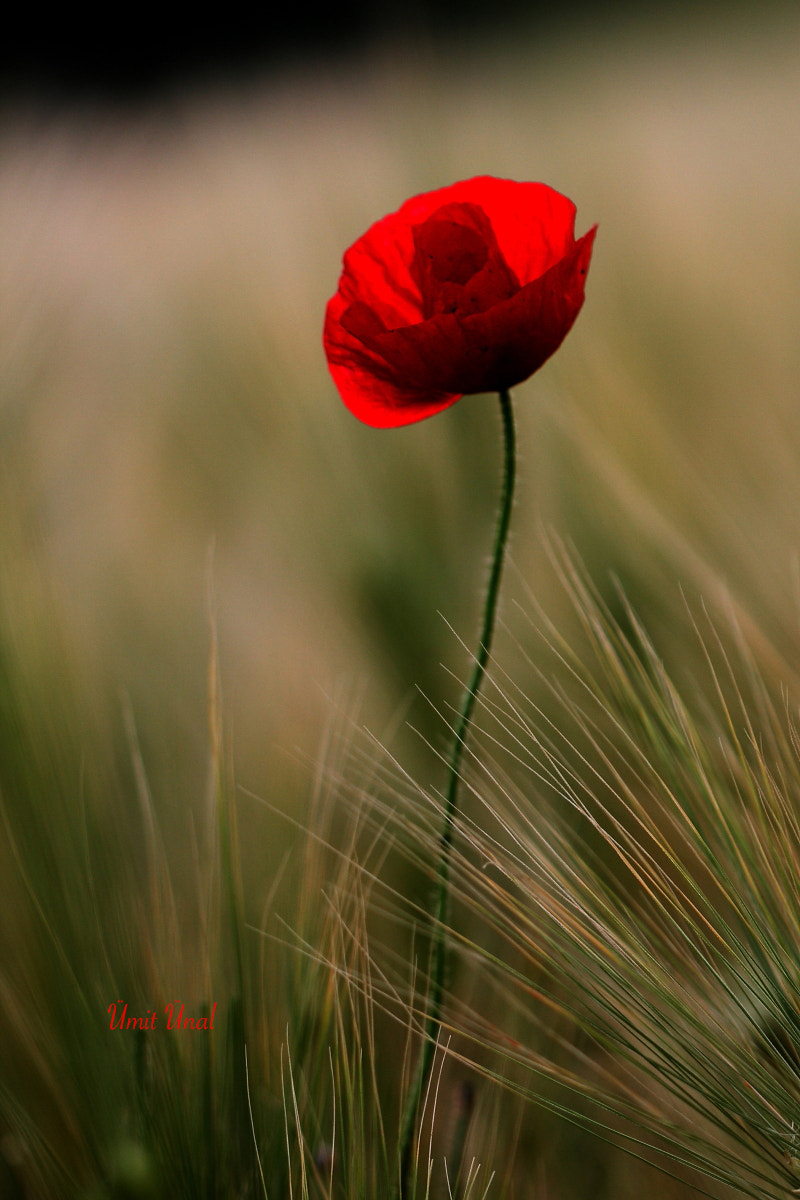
638 898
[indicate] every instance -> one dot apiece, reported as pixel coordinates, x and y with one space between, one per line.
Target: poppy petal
465 289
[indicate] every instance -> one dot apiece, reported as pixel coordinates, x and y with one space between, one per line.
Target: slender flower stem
442 897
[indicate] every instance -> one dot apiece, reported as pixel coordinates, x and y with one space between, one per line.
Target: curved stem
442 897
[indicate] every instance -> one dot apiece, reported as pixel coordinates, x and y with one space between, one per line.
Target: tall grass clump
629 904
102 929
289 1091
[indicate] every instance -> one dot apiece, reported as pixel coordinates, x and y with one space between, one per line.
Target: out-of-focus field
173 450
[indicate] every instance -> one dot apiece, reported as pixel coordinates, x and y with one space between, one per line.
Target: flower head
466 289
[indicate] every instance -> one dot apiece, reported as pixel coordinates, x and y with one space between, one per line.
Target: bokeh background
178 476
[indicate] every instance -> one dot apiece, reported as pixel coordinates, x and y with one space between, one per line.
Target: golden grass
173 455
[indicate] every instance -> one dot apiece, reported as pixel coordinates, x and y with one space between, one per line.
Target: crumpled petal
466 289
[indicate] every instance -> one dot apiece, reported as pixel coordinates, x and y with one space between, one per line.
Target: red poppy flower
466 289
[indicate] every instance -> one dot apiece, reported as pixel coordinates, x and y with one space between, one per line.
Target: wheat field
217 589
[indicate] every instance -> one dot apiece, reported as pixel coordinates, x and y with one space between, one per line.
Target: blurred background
177 472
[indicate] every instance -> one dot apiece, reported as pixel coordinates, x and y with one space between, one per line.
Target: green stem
442 898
